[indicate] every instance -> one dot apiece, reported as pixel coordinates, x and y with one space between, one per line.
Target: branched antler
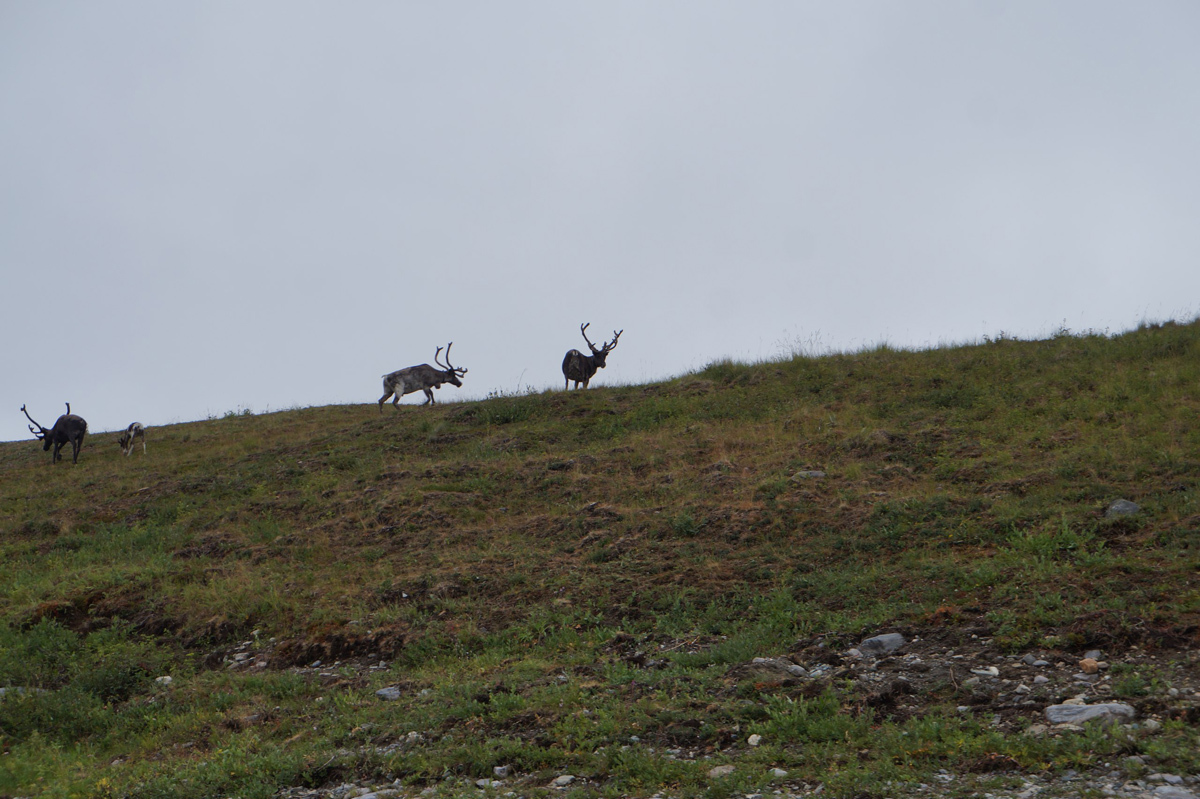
604 348
613 346
38 431
583 330
458 370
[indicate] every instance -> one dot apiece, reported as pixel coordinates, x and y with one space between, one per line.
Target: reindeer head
600 353
453 373
42 434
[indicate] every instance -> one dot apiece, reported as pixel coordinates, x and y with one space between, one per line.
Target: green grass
492 552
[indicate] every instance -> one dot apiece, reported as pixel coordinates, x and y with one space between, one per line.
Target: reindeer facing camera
582 368
68 429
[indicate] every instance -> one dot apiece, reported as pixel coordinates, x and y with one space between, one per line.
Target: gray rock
1122 507
21 691
716 772
1173 792
563 781
808 474
500 771
1094 654
1078 714
1040 663
391 693
1169 779
782 666
882 644
1041 680
778 773
1029 660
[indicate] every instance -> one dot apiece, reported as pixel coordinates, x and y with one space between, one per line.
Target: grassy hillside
576 582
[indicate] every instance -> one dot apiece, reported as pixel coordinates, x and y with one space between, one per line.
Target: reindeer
135 431
421 378
582 368
68 428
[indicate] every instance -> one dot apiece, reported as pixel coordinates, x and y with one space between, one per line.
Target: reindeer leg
429 394
383 399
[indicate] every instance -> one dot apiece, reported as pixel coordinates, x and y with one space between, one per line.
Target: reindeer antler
583 330
613 346
435 357
457 369
40 432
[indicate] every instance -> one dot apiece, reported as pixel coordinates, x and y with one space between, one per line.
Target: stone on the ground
1122 507
563 780
500 771
18 690
782 665
882 644
390 693
1041 679
164 680
1173 792
1094 654
1089 666
778 773
1078 714
754 740
716 772
808 474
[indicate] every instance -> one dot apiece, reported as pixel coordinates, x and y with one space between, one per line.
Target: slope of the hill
576 582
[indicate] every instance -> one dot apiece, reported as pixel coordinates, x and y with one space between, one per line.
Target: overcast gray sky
213 206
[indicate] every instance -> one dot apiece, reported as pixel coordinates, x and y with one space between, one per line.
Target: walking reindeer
581 368
421 378
68 429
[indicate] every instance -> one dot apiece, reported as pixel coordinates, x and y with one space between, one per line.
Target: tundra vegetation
574 582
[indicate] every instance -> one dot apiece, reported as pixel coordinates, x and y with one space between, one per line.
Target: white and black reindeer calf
134 431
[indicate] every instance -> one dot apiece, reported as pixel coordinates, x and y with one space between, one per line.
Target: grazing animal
581 368
134 431
68 429
421 378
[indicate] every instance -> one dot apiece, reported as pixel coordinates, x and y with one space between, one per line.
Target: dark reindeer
421 378
582 368
68 428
